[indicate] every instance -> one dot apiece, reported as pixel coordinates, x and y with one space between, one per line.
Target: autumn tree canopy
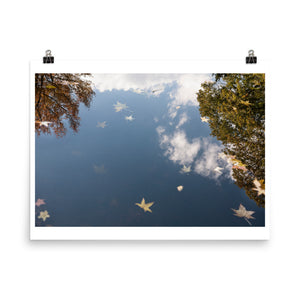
235 106
57 100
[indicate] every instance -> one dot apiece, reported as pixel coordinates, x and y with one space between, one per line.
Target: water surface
140 138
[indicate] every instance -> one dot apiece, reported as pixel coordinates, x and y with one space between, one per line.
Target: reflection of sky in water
96 176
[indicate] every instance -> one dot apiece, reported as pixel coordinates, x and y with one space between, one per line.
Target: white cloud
184 86
188 86
138 83
208 161
201 152
178 148
160 130
182 119
211 159
185 93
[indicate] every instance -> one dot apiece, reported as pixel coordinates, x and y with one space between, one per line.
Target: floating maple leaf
145 206
120 106
237 162
247 103
43 123
218 170
40 202
242 212
259 186
101 124
240 168
186 169
50 87
138 91
180 188
44 215
129 118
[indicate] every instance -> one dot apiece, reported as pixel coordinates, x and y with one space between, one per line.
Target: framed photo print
159 150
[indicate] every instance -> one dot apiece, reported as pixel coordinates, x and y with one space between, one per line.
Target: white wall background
156 30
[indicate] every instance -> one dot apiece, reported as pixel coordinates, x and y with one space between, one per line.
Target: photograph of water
150 149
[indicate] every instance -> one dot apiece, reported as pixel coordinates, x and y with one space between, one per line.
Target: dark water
94 177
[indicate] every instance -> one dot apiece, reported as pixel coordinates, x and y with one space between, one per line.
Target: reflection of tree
57 98
235 106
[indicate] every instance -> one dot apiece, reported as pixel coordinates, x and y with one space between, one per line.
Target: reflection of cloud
160 130
99 169
188 86
185 92
182 119
137 83
178 148
210 162
203 153
183 86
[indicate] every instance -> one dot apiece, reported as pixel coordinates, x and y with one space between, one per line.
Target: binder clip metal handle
251 59
48 59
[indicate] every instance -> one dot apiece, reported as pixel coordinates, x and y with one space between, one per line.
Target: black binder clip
48 59
251 59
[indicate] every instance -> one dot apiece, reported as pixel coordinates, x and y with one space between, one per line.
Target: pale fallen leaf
145 206
40 202
120 106
44 215
186 169
129 118
243 168
50 87
218 170
258 187
101 124
180 188
247 103
243 213
44 123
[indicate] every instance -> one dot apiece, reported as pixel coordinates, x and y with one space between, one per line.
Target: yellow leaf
51 87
